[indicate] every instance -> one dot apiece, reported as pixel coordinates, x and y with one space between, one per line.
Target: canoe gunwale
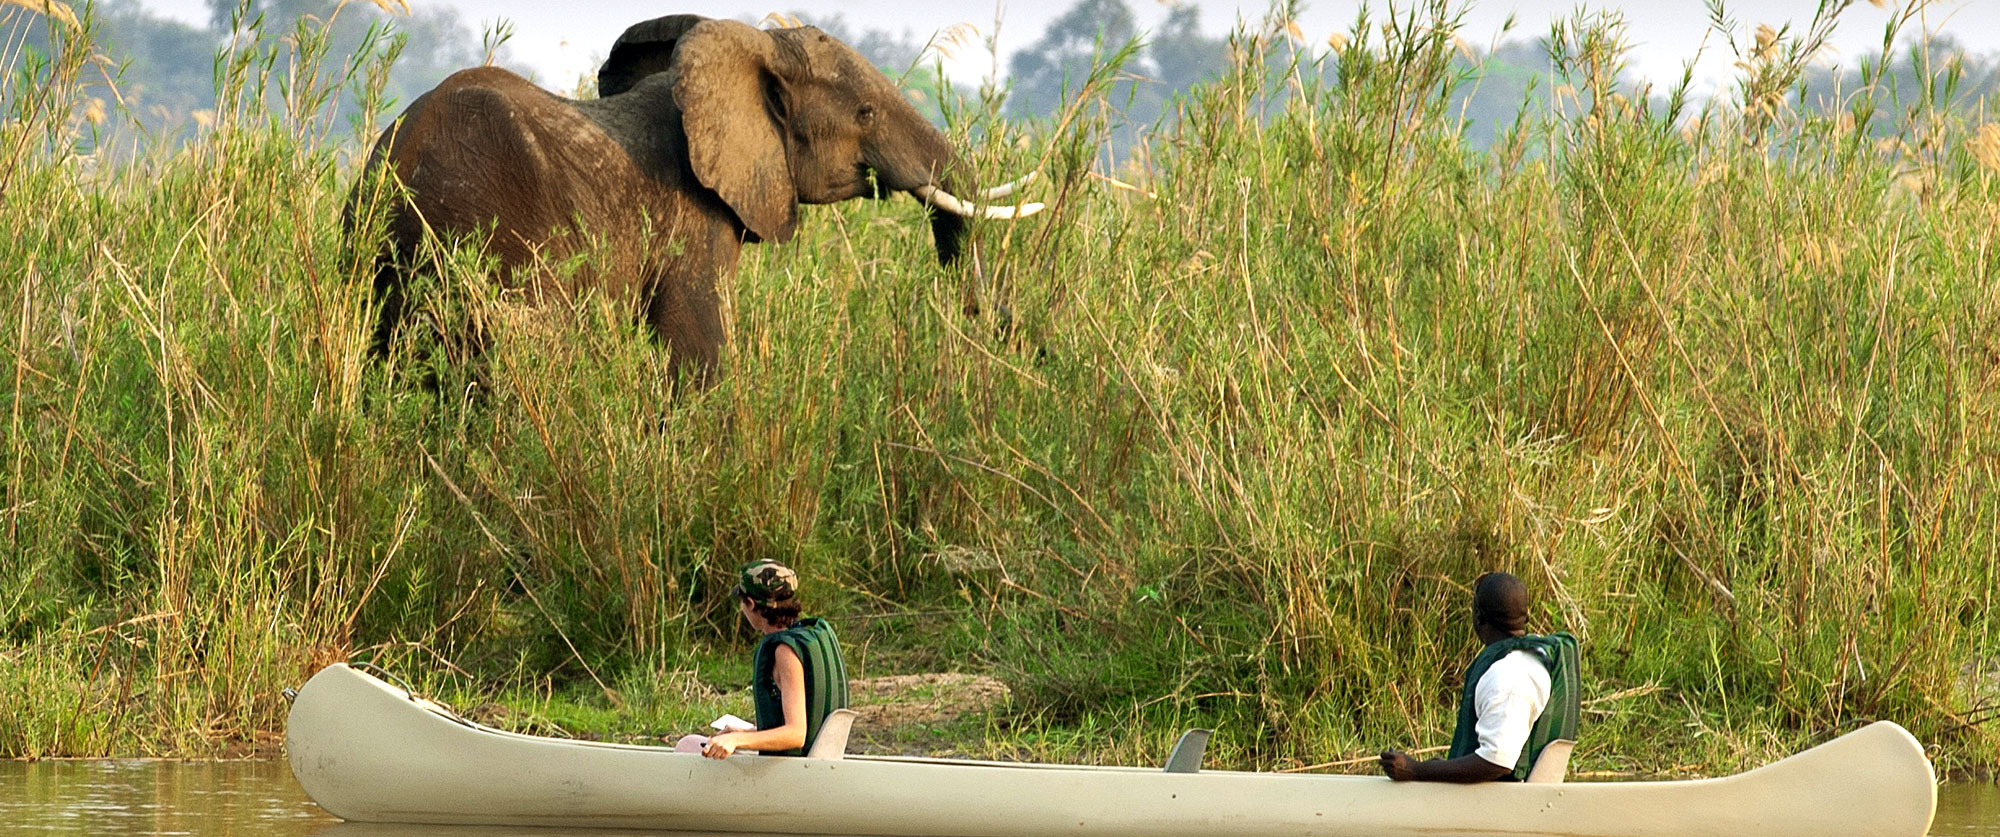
358 750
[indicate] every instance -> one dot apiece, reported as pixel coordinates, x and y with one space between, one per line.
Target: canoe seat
1552 763
832 740
1186 757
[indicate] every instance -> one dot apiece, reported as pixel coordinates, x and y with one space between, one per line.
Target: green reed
1223 451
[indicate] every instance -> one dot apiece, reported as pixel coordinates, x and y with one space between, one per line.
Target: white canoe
367 751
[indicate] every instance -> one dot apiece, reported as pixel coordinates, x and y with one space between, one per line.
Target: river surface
260 799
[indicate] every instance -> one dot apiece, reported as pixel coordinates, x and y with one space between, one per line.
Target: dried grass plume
48 8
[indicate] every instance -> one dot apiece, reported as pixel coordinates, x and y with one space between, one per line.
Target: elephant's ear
728 99
644 49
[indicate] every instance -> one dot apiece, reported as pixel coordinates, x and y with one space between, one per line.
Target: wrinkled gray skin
709 133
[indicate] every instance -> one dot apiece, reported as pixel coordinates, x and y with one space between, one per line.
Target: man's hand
1398 765
1464 769
721 747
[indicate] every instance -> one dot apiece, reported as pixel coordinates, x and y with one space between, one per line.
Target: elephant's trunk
948 231
950 212
929 169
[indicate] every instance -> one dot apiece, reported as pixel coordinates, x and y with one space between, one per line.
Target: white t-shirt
1510 696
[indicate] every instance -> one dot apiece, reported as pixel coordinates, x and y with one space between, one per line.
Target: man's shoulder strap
1549 648
1560 718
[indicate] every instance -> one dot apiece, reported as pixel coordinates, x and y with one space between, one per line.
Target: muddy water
1967 811
155 797
259 799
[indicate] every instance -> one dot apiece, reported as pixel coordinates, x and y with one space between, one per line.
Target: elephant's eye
866 116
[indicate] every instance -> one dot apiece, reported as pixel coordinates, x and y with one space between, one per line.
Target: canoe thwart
1552 763
832 740
1186 757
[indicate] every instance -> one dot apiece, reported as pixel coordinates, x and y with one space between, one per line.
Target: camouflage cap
766 581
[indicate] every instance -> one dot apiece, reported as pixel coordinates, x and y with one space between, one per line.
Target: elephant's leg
389 300
686 317
447 350
686 313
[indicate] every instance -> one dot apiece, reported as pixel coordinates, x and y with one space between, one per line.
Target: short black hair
1500 599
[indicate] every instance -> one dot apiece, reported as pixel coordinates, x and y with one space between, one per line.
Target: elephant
707 134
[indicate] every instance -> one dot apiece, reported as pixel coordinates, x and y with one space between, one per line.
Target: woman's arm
791 677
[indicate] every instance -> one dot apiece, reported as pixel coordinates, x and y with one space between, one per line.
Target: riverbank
1222 449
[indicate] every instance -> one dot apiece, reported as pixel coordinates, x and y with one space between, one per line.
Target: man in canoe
1520 694
797 674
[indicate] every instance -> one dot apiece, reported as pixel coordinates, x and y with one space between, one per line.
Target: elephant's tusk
950 203
1005 189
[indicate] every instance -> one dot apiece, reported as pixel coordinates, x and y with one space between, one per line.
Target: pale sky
563 40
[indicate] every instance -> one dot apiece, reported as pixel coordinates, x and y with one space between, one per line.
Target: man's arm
1510 696
791 677
1468 770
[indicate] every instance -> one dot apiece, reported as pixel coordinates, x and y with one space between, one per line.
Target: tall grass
1720 384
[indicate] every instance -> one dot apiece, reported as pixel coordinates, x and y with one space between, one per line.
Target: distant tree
1168 61
438 40
1042 75
1180 56
1516 76
166 67
1939 76
163 71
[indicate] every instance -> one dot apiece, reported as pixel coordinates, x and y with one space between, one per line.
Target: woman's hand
722 746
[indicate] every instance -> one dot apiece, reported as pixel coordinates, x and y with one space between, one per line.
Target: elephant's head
782 117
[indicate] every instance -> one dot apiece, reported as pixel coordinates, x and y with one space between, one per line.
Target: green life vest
1558 720
826 678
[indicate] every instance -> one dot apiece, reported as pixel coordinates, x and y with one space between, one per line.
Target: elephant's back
487 148
479 137
538 181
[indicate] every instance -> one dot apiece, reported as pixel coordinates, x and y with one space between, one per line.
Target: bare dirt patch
885 703
903 713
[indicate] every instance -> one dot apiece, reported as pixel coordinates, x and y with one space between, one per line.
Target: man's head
1499 606
771 590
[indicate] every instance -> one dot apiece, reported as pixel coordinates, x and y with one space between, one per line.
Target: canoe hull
366 752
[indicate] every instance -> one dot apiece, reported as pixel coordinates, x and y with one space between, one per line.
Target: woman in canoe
797 675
